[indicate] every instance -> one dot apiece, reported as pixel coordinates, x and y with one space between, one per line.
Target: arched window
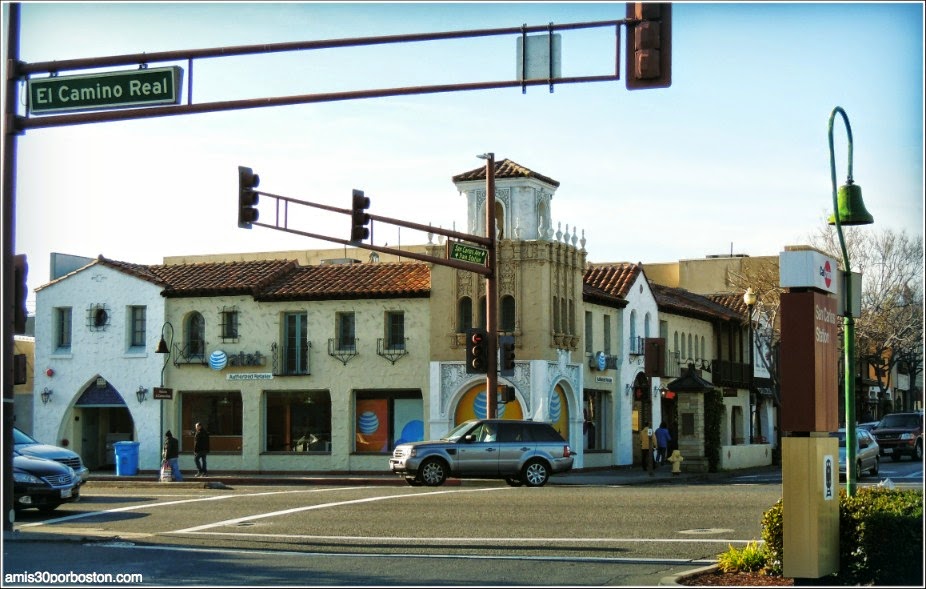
633 328
691 349
684 355
500 221
646 319
507 313
697 348
557 328
675 347
195 335
464 314
704 349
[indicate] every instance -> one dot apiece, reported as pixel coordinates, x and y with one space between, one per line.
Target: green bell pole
848 209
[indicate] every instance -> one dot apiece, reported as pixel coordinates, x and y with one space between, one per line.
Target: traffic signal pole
9 242
491 293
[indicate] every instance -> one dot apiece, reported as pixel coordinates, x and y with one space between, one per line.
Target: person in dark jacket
172 455
663 437
200 449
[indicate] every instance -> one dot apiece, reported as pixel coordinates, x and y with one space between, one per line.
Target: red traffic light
477 356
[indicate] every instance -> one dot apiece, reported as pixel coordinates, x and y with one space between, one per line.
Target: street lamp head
851 208
749 297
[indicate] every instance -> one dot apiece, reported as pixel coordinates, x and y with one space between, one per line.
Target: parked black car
42 484
27 445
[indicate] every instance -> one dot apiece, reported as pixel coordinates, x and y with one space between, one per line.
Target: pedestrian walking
647 445
662 443
200 449
172 455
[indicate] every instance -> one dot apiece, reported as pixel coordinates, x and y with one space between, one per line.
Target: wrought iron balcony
342 349
392 350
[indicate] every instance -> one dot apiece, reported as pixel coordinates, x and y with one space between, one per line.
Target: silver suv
521 452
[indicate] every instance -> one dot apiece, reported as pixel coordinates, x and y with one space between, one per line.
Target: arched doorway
104 420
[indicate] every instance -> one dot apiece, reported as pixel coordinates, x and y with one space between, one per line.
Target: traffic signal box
476 351
359 218
20 292
506 346
247 197
505 394
648 52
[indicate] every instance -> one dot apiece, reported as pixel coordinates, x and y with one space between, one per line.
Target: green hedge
880 537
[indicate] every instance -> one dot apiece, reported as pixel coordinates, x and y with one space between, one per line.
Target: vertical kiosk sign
809 412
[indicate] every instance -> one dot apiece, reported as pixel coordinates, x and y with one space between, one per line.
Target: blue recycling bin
126 458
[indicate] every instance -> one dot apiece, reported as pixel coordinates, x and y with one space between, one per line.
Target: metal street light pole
749 297
848 209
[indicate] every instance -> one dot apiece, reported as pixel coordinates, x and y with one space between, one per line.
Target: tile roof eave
342 296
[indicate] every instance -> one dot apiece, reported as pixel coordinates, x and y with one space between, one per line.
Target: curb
674 579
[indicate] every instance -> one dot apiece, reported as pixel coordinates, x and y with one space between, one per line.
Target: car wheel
918 451
875 467
514 481
858 471
535 473
433 472
413 481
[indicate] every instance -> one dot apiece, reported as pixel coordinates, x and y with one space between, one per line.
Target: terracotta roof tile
352 281
137 270
220 278
504 169
731 301
614 280
682 302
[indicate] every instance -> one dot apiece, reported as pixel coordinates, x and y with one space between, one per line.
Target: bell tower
522 201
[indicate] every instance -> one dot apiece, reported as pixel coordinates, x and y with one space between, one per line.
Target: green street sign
125 89
466 253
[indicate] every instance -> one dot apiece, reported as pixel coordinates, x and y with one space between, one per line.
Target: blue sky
733 155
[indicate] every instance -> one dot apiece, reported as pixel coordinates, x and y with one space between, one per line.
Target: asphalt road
476 533
481 533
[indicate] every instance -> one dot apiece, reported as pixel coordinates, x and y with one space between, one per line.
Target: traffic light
247 197
476 351
506 346
21 293
649 46
359 219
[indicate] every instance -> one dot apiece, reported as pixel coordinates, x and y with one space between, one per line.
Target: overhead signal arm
280 222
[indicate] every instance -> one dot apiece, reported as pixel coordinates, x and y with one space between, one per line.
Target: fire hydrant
676 460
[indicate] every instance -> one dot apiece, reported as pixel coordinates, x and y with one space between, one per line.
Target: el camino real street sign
124 89
466 253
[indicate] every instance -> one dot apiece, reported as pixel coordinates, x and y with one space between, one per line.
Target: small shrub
773 536
751 558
